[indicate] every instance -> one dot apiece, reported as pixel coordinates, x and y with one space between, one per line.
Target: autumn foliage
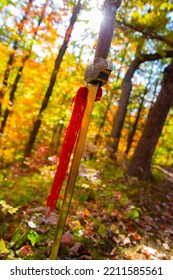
45 47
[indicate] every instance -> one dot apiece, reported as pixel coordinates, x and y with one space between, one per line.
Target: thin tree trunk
51 145
154 95
12 92
56 137
19 73
132 133
122 109
59 58
140 164
110 100
12 55
103 121
59 136
124 99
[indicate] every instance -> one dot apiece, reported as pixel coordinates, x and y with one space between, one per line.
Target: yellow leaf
6 208
3 248
75 225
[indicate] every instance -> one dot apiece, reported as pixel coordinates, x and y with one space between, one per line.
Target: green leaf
1 178
82 197
15 236
102 229
134 213
22 239
33 237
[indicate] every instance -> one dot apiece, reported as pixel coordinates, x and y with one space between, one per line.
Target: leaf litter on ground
111 217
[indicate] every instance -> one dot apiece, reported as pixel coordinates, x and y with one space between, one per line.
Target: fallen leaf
125 241
86 212
24 251
80 215
36 210
3 249
130 228
67 238
113 252
102 230
166 247
75 225
31 224
148 252
52 219
118 195
136 236
75 248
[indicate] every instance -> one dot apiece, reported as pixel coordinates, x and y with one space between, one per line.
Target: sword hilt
107 28
99 71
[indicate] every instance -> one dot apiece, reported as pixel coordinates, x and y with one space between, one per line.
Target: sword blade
77 155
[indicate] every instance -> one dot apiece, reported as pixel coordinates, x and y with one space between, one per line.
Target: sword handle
106 30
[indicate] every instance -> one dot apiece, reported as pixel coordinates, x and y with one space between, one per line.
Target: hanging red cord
72 131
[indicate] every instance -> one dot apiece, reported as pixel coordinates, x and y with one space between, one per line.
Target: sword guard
98 72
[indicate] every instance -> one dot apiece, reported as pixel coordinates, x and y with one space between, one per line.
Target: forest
122 205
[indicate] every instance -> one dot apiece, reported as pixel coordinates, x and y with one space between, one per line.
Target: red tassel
99 94
79 101
67 147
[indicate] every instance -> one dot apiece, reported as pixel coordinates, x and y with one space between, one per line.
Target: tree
48 93
135 124
20 26
19 73
140 164
29 80
124 99
151 24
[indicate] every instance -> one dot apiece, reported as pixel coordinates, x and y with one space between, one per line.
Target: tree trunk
132 133
58 60
126 90
122 109
12 92
110 101
140 164
154 96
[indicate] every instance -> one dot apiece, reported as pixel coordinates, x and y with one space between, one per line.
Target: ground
112 216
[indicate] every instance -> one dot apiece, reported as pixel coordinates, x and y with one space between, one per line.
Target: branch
155 56
146 33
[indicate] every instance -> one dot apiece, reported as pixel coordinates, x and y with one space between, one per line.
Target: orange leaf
136 236
86 212
24 251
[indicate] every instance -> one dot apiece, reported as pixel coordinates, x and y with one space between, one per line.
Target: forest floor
112 216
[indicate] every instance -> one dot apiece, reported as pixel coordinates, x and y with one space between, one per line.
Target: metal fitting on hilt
98 72
117 3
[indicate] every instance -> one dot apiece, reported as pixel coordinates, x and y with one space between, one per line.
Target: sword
96 75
